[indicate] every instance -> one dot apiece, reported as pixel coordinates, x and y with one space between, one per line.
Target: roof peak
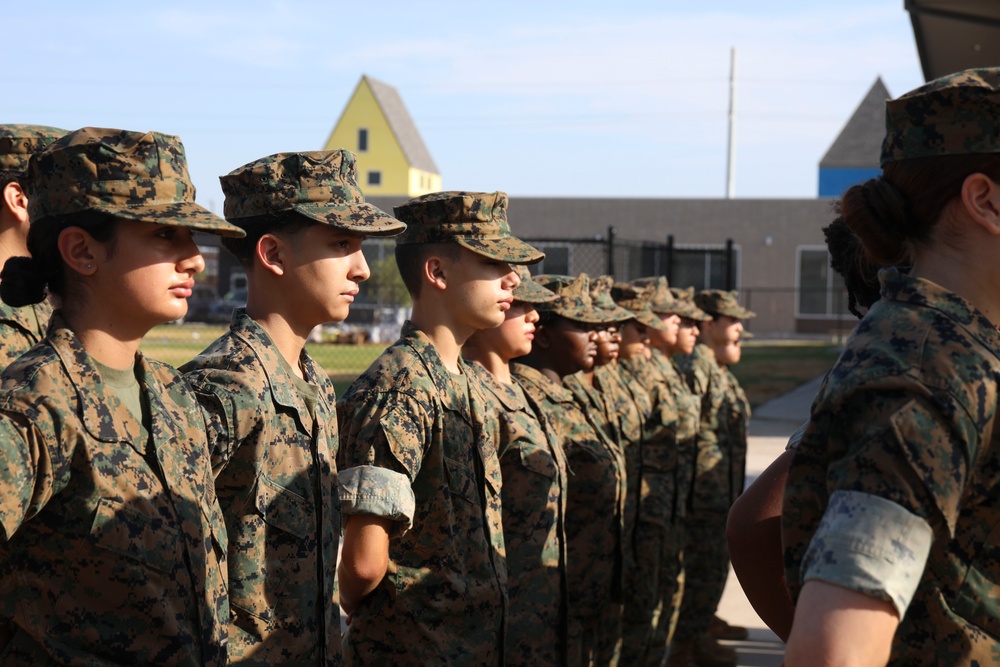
859 143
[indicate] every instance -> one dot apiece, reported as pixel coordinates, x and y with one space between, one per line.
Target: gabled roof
859 144
953 35
402 125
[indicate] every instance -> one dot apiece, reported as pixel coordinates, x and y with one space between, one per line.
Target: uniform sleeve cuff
871 545
378 492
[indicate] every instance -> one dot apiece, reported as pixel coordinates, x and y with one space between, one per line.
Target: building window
374 178
821 289
702 266
362 140
558 259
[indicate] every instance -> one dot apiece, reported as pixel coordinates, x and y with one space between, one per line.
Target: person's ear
436 272
980 197
270 253
80 251
15 201
542 338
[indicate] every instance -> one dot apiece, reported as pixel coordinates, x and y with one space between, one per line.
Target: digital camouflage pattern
476 221
274 457
685 307
594 520
115 549
720 462
661 299
533 466
20 328
130 175
952 115
528 291
637 301
719 302
444 598
575 301
19 142
320 185
600 296
919 379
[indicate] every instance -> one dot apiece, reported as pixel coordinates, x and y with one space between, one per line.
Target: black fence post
612 231
669 272
730 273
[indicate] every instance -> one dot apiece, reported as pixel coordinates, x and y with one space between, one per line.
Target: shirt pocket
461 481
141 538
283 509
976 598
538 460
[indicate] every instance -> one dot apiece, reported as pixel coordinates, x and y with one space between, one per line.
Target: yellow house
392 158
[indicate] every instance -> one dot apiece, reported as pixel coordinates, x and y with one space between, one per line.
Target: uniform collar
532 376
447 384
508 395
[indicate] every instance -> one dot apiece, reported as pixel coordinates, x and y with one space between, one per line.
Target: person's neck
112 346
541 364
11 244
289 339
971 277
498 367
446 337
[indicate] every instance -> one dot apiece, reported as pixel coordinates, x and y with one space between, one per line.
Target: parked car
222 312
200 304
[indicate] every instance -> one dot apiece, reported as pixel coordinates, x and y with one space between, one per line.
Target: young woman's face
667 337
722 334
687 337
635 340
323 267
608 342
144 276
572 346
513 338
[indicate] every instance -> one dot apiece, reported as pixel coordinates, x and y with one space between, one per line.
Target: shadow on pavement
761 649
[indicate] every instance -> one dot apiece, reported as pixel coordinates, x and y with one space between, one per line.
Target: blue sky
616 99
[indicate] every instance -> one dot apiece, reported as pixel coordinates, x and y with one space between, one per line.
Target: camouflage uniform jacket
275 475
595 497
408 421
534 472
718 469
909 414
115 549
20 328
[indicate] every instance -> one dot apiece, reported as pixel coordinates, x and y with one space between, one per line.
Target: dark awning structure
953 35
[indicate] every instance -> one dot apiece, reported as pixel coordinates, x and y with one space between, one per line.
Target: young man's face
635 340
482 289
323 267
666 338
608 342
722 334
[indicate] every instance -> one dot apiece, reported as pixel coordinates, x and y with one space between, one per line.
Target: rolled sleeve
871 545
377 492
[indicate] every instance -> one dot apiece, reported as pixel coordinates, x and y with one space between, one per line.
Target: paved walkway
770 428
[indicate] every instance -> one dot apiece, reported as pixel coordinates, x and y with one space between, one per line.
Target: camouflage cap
600 295
953 115
719 302
661 300
637 301
129 175
20 142
476 221
529 291
574 301
684 298
321 185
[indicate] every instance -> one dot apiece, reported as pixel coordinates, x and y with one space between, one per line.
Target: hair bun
21 282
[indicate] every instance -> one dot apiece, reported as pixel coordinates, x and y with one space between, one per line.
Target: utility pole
731 155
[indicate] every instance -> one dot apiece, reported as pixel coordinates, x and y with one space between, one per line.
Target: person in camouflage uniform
893 493
422 570
534 471
271 409
20 328
720 462
114 546
565 343
667 473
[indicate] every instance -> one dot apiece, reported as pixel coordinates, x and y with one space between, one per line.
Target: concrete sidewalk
770 427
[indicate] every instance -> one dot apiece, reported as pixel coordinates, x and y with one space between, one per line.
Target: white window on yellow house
362 140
